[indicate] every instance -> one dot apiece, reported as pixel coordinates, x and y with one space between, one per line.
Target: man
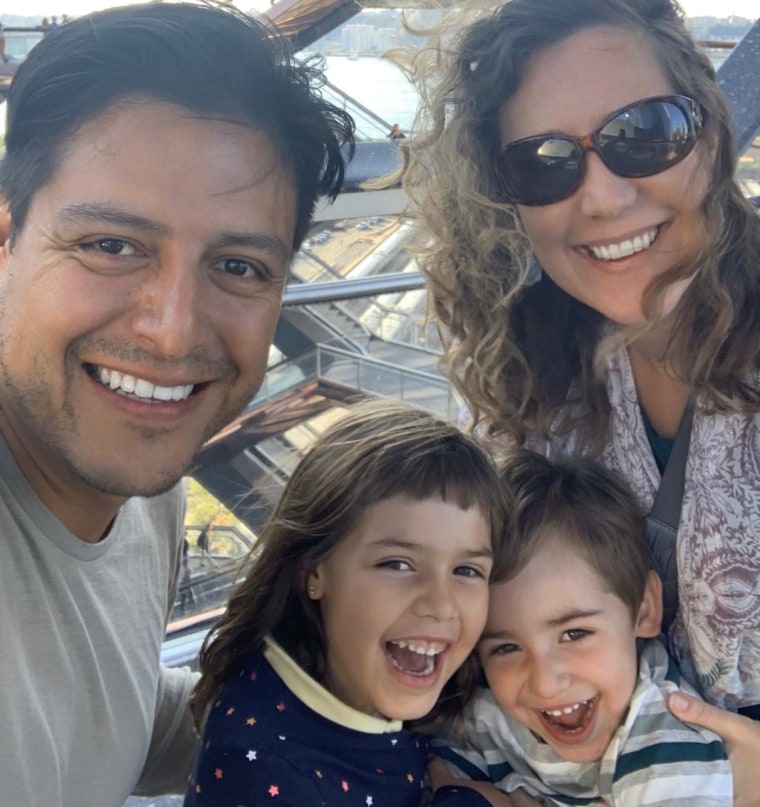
162 165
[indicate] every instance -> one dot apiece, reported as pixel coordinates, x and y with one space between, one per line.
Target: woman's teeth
613 252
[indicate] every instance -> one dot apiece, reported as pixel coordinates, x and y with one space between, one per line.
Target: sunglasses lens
646 139
639 141
540 170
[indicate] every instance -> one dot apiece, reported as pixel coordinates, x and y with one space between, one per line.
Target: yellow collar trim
316 697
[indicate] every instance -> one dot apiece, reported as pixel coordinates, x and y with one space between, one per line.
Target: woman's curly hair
515 349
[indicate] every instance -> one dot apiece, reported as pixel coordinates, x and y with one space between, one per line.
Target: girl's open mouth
418 659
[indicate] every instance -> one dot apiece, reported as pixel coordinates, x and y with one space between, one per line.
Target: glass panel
216 542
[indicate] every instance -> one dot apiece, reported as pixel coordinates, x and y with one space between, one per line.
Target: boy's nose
548 677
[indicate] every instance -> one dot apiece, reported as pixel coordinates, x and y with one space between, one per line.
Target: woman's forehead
574 85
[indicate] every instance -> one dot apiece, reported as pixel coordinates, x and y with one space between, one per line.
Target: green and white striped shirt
653 760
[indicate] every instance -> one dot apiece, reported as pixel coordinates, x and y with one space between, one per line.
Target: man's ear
649 618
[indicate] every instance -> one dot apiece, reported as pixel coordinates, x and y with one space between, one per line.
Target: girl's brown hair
379 449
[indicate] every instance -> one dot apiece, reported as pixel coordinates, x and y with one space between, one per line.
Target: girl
367 591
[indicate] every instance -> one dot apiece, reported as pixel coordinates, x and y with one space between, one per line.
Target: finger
732 728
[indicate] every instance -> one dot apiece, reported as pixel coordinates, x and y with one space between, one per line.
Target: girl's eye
396 564
110 246
574 634
238 267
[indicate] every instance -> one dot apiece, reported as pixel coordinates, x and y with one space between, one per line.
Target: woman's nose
603 193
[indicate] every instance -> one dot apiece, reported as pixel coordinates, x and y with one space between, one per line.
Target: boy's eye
574 634
470 571
503 649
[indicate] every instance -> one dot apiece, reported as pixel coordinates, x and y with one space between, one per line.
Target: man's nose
169 313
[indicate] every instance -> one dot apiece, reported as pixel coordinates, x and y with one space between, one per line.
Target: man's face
140 298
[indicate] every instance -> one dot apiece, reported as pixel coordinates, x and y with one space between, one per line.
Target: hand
741 736
440 776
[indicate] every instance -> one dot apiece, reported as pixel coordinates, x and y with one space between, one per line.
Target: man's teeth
613 252
566 710
141 388
423 648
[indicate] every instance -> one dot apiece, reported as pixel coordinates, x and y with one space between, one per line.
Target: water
377 84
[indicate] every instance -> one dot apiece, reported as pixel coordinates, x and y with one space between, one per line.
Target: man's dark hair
215 62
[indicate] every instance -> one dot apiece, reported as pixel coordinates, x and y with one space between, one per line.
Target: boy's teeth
141 388
613 252
566 710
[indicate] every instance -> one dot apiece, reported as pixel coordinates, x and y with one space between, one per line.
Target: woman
594 266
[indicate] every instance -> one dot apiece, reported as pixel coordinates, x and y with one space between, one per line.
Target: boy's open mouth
569 721
414 658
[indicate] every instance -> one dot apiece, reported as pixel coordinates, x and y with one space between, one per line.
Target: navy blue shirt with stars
265 744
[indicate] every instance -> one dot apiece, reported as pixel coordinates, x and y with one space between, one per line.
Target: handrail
330 291
371 360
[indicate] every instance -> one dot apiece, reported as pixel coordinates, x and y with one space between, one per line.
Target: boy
576 710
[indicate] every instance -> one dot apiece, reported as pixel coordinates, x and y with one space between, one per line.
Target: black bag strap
663 519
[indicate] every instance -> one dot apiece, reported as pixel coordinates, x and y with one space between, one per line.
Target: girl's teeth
422 650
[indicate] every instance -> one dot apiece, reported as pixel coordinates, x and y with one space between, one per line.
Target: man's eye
241 268
111 246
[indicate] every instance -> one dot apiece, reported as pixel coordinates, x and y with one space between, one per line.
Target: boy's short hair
583 504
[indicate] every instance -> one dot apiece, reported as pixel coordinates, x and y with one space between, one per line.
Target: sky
694 8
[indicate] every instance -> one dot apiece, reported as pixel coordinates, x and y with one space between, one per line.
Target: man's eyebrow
96 213
263 241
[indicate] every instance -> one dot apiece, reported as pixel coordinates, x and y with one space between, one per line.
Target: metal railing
331 291
354 371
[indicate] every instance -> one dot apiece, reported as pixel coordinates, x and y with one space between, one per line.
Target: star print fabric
263 745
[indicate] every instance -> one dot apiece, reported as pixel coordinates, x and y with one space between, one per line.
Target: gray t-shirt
85 708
